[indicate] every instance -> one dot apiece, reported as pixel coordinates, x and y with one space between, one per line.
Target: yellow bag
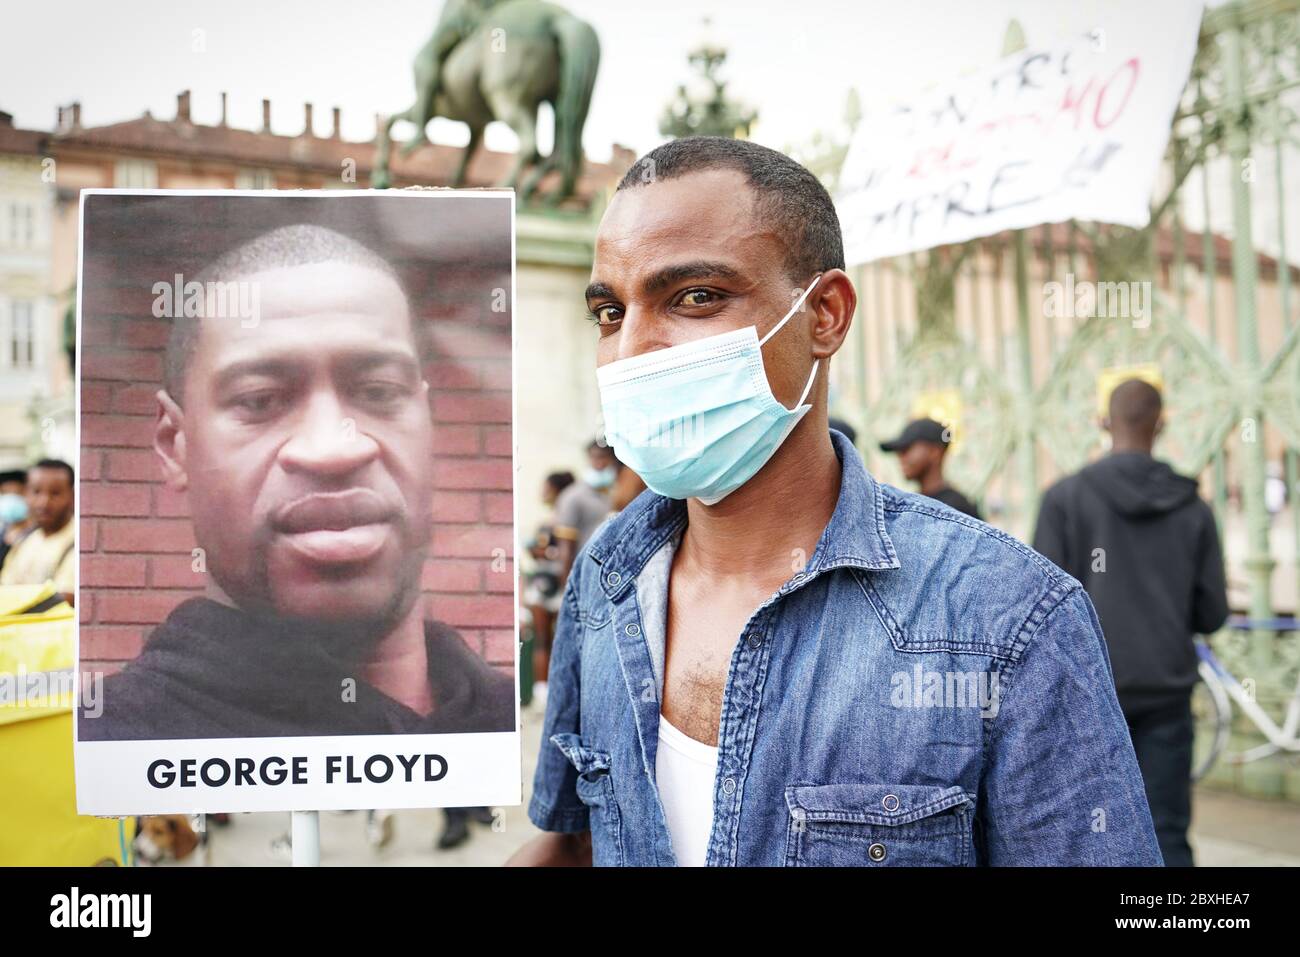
39 824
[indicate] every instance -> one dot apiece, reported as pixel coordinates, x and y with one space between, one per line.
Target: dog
168 838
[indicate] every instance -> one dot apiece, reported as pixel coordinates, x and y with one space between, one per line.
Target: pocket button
876 852
890 802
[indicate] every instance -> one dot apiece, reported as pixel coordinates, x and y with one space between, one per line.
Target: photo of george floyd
296 455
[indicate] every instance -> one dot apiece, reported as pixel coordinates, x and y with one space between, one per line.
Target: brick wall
135 532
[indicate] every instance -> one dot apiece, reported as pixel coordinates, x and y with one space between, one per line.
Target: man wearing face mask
776 659
14 519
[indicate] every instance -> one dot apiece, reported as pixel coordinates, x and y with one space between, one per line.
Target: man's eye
698 297
606 315
260 404
381 393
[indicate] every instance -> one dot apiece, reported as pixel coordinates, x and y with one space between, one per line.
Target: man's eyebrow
280 368
375 358
271 368
670 275
599 290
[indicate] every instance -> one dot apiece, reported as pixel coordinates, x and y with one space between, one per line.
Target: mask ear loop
777 328
793 309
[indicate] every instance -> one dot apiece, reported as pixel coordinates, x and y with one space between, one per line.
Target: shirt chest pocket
877 825
595 789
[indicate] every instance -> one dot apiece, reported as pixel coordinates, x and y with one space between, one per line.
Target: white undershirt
685 770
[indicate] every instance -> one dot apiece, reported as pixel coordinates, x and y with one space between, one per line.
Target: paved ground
1228 831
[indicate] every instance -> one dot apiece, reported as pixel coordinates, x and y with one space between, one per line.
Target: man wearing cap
921 448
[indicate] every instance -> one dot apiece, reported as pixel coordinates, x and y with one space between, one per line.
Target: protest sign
296 586
1074 129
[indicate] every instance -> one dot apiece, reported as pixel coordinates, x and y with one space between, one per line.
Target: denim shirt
926 690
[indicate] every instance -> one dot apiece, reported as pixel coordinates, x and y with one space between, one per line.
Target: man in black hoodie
1146 548
303 444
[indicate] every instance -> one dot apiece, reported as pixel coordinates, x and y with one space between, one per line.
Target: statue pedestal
557 404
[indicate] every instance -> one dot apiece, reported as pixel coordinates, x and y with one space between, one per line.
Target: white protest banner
1073 130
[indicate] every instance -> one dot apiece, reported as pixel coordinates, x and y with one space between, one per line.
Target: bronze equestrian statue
500 60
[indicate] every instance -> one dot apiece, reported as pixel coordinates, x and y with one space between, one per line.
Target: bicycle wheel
1212 716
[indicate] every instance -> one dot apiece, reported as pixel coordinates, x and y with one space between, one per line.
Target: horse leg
568 180
524 122
421 111
380 177
535 177
475 137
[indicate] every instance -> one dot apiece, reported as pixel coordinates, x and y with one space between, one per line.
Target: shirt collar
854 537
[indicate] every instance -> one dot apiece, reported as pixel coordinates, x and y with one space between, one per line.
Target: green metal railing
967 325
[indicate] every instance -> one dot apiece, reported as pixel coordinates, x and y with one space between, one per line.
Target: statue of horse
500 60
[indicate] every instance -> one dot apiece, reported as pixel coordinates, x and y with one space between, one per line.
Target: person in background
14 520
46 553
839 425
455 831
626 487
553 485
545 583
921 448
581 507
542 592
1146 548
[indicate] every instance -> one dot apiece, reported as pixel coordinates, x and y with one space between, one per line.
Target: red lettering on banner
1133 67
1072 102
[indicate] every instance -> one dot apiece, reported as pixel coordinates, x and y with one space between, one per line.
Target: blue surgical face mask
600 478
699 420
13 508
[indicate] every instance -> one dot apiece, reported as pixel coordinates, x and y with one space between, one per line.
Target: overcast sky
794 61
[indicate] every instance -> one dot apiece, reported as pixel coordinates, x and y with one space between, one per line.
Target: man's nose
639 333
327 441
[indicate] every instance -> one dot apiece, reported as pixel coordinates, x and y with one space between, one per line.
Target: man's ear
833 301
169 441
1160 425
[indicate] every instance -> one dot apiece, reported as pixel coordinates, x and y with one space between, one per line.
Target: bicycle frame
1280 738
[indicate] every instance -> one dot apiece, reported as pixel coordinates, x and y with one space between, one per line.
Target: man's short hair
13 475
789 199
56 465
288 246
1135 405
560 481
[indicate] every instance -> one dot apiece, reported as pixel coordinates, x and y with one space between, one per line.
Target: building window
254 179
136 174
22 225
22 336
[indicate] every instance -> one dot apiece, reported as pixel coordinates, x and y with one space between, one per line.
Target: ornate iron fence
1209 298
